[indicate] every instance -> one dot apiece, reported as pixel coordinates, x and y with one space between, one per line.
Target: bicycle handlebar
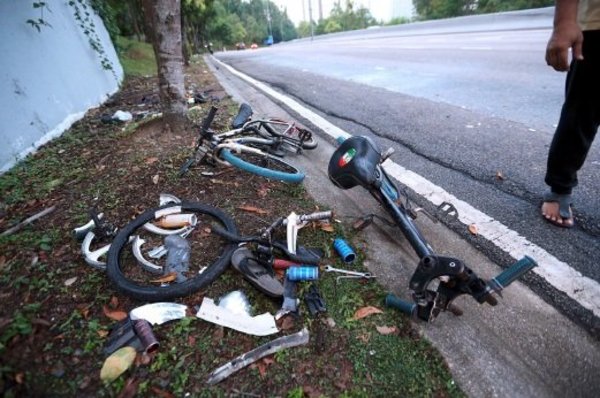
512 273
308 258
496 284
209 119
316 216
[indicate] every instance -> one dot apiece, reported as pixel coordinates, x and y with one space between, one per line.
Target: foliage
340 19
39 22
137 58
436 9
83 13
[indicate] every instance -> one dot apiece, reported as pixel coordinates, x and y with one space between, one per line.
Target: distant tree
436 9
164 19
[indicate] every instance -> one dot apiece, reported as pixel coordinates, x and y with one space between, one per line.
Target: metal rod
418 243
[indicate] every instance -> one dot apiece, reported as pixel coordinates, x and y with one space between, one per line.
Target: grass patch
137 58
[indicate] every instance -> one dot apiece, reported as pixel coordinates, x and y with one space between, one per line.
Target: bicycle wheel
263 165
208 258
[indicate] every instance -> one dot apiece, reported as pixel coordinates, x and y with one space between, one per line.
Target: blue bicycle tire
294 177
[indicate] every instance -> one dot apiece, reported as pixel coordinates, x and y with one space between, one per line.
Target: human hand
563 37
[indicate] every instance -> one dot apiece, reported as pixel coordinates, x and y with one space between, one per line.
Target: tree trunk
165 20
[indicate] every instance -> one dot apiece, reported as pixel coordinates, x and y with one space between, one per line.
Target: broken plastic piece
166 198
289 341
260 325
236 302
159 313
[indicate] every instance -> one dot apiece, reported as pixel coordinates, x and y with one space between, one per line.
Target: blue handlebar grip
513 272
340 140
402 305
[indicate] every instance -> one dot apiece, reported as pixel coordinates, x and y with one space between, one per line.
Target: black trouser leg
579 118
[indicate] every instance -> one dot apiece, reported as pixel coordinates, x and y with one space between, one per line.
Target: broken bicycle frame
358 161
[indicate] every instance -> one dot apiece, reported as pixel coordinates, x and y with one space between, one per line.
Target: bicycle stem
417 242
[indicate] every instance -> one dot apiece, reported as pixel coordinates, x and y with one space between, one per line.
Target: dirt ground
57 311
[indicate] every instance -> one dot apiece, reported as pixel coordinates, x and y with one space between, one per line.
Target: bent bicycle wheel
263 165
146 272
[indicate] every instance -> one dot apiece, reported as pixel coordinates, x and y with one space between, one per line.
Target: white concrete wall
48 79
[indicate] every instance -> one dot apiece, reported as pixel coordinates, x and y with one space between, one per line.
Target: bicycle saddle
355 163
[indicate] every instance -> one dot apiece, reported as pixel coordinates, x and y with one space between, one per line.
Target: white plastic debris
123 116
260 325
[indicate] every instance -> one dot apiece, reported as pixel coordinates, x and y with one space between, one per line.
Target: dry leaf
500 176
325 226
161 393
151 160
473 229
102 333
253 209
84 311
366 311
114 302
20 377
287 323
364 337
70 281
170 277
131 388
385 330
117 363
155 179
115 315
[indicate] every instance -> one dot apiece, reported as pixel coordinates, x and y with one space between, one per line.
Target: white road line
559 274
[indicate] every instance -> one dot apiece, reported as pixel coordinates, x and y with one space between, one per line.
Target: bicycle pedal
448 210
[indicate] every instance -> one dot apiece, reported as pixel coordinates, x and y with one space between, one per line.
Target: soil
57 311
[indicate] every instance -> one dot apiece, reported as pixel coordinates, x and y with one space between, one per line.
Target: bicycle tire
296 176
164 293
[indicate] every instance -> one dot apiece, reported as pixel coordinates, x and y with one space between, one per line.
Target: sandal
256 273
564 208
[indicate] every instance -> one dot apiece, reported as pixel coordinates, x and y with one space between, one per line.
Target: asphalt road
510 350
462 102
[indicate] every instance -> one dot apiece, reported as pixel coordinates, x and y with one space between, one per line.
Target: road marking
476 48
559 274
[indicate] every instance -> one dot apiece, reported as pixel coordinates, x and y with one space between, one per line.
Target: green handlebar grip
513 272
402 305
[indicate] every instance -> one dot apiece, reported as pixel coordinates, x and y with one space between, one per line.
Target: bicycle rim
263 165
209 257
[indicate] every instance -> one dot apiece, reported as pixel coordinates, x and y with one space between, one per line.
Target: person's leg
576 130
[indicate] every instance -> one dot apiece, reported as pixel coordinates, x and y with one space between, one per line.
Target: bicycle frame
364 167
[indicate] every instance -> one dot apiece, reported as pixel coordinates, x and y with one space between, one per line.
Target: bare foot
551 212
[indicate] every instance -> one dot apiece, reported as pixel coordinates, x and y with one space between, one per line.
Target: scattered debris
344 250
500 176
289 341
260 325
385 330
70 281
236 302
28 220
117 363
473 229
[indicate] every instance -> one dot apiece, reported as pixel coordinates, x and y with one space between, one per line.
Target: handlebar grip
513 273
209 118
319 215
402 305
